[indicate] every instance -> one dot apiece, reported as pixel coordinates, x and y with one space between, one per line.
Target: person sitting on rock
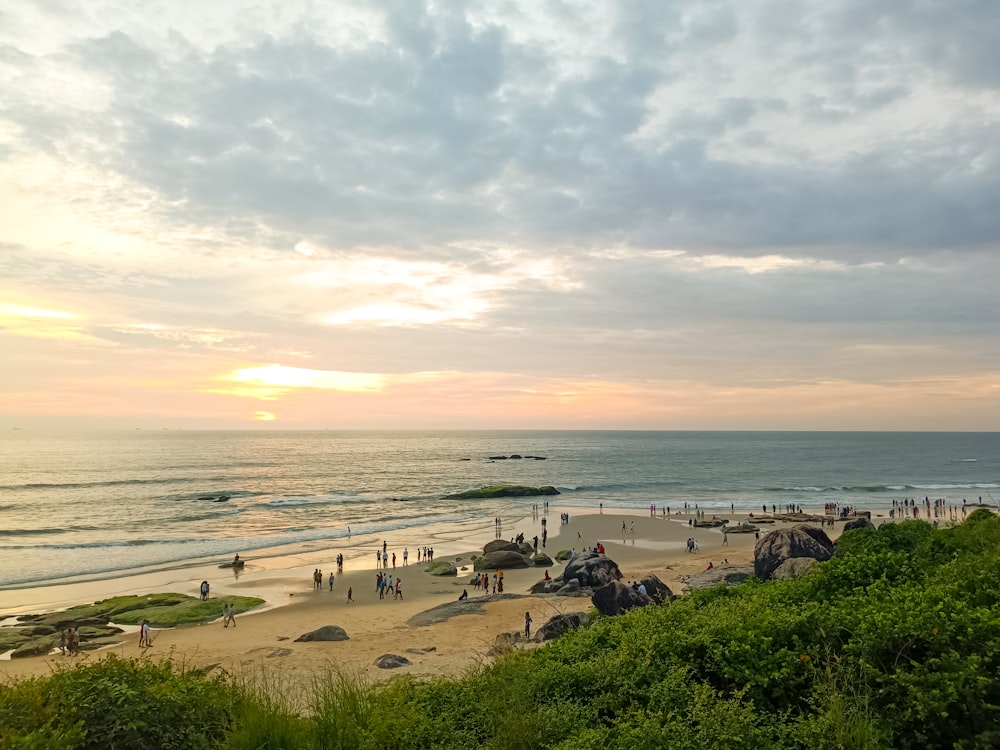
464 596
710 565
547 576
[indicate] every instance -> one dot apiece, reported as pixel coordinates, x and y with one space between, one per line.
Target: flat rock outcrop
780 545
732 575
615 597
325 633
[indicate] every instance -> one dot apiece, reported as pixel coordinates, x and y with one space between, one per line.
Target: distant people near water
204 591
229 616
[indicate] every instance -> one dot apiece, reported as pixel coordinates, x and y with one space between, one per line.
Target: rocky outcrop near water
503 490
657 590
782 544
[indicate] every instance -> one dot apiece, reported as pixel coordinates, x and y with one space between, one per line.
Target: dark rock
545 587
325 633
515 456
541 560
793 567
732 575
560 625
570 588
392 661
592 569
656 589
38 647
782 544
499 545
526 549
470 606
502 559
503 490
861 522
616 597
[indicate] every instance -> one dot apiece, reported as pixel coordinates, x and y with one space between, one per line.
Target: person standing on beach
62 642
527 625
331 580
350 595
229 616
406 556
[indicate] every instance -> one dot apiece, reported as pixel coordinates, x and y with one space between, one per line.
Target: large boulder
499 545
572 588
442 568
502 559
616 597
861 522
782 544
793 567
656 589
560 625
541 560
325 633
563 555
592 570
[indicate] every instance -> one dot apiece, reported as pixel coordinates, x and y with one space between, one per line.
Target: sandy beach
266 636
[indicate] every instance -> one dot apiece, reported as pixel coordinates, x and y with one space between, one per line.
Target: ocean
98 504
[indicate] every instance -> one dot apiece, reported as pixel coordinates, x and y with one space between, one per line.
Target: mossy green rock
563 555
504 490
162 610
541 560
441 568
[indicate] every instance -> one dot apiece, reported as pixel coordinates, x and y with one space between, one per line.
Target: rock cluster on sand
780 545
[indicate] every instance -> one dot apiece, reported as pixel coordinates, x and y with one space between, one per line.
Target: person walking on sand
229 616
350 595
527 625
331 580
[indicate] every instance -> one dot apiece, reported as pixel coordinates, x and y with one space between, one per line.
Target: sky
696 214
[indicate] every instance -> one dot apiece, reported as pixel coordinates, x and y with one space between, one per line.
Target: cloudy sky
696 214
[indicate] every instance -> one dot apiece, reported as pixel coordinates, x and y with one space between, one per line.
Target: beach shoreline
651 544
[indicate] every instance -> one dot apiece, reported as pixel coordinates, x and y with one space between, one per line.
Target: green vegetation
503 490
894 643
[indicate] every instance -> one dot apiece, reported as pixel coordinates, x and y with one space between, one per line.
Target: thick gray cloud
455 127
